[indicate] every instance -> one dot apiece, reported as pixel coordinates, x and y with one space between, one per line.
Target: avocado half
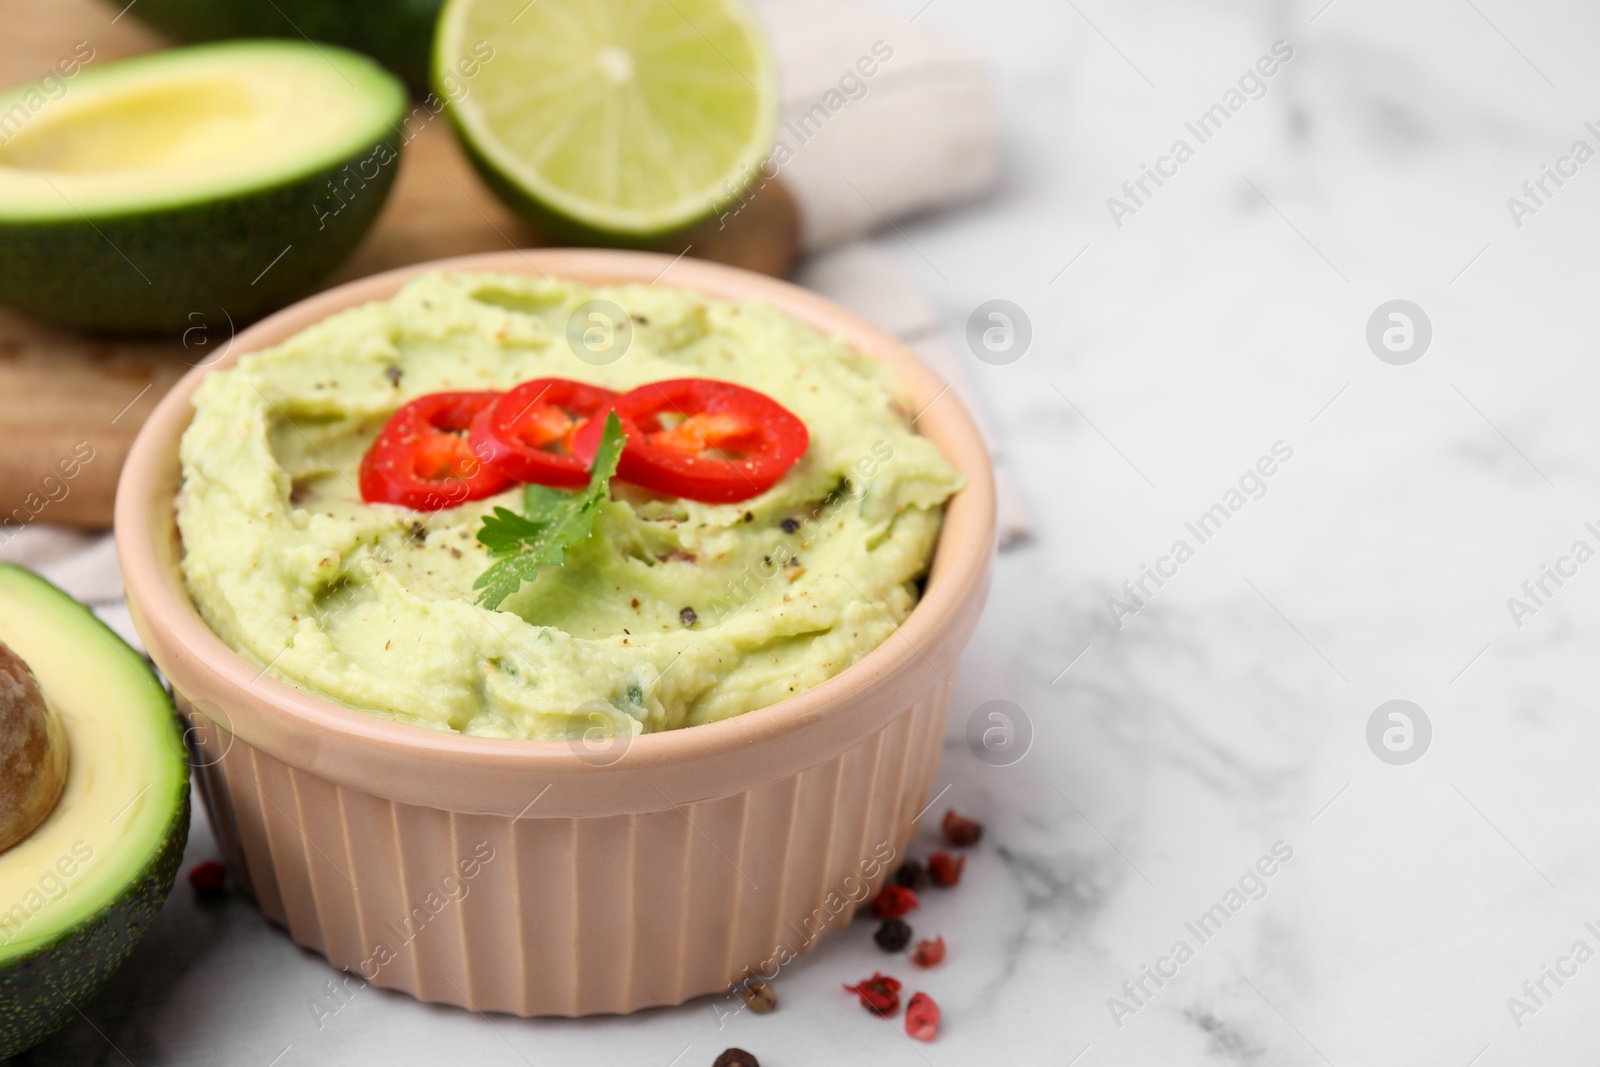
397 33
194 187
80 890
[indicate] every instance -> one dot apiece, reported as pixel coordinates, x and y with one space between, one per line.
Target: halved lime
618 121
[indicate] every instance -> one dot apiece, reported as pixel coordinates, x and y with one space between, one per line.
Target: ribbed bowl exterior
569 916
534 877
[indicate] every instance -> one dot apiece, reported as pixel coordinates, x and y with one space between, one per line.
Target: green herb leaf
553 522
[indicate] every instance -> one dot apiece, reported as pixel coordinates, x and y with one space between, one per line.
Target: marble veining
1231 711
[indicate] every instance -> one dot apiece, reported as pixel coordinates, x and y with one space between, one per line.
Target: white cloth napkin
883 117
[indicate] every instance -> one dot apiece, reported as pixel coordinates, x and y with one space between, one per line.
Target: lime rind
616 122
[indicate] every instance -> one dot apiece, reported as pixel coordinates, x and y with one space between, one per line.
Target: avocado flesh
78 893
199 186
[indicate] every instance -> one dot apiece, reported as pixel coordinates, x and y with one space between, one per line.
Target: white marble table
1227 313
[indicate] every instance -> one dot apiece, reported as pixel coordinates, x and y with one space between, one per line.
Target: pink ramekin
527 877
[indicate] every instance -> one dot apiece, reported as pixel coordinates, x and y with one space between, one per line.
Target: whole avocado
397 33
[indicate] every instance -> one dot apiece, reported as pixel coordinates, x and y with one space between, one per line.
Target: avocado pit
33 751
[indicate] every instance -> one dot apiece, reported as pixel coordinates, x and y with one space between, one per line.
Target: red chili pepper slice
528 433
423 458
702 439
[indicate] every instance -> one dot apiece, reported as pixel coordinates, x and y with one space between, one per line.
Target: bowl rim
958 572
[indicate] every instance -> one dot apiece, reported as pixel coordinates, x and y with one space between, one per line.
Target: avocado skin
397 33
199 265
41 993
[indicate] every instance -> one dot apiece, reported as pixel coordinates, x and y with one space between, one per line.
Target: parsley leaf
554 521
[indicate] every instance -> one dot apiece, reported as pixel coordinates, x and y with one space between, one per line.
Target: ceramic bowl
540 877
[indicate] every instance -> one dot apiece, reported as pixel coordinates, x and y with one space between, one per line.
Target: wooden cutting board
64 397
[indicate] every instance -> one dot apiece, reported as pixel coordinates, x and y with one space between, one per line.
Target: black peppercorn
912 874
893 935
736 1057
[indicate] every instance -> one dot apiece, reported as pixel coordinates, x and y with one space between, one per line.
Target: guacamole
672 613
